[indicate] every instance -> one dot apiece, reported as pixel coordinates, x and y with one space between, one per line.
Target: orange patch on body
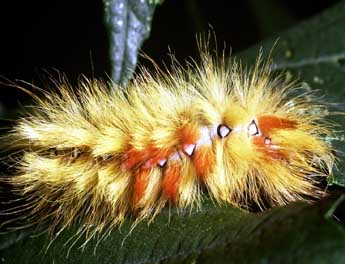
269 122
132 158
141 179
150 156
189 134
171 180
203 160
265 144
271 149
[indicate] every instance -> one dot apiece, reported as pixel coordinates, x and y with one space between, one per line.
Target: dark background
41 37
69 36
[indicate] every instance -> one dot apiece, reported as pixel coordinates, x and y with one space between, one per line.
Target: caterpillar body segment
96 157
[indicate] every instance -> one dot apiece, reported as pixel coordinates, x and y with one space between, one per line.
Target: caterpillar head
267 156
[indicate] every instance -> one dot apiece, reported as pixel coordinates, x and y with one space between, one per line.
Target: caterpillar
100 153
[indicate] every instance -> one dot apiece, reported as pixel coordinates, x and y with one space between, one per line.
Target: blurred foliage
128 25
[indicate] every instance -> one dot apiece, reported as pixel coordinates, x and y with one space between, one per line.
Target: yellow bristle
96 156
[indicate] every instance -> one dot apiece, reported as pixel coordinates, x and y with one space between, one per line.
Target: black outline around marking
192 151
257 128
267 138
218 130
165 163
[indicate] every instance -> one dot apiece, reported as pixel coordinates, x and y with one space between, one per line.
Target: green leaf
215 234
128 24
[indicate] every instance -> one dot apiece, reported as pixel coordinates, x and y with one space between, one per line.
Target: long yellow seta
243 136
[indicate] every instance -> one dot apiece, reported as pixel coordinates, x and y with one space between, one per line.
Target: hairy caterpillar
95 157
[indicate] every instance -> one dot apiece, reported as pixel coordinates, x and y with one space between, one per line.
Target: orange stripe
156 155
132 158
203 160
269 122
189 134
141 179
171 180
151 154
